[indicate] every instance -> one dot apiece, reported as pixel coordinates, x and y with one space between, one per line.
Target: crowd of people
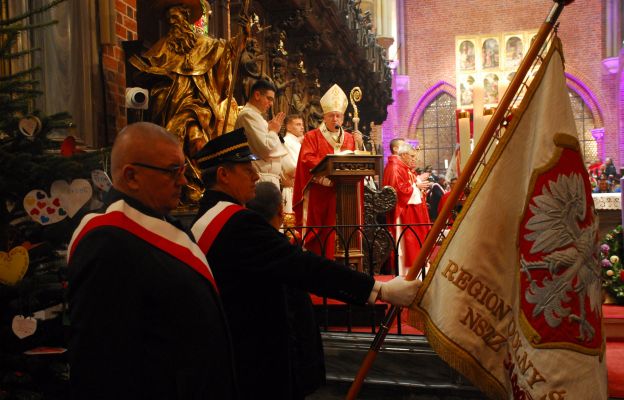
159 311
604 177
221 309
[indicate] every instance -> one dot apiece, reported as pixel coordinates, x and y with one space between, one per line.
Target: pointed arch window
584 120
436 132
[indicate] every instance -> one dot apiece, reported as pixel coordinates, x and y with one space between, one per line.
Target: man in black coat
253 264
306 346
146 318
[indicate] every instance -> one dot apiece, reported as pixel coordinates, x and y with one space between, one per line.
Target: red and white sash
206 229
154 231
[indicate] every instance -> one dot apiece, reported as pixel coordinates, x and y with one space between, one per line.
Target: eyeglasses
174 172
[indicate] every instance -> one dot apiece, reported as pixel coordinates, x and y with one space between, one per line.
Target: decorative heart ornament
73 196
13 265
101 180
43 209
29 126
23 326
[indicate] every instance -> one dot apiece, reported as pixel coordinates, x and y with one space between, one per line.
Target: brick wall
113 61
431 27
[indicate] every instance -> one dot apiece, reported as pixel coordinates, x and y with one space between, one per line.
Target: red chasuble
398 175
315 204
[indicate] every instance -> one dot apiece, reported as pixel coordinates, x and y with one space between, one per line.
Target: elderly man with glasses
146 317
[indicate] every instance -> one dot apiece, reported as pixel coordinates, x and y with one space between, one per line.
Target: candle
464 139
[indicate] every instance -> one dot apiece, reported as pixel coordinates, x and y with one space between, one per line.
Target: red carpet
613 316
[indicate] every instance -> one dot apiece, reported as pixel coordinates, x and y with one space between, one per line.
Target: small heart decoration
29 126
101 180
41 208
73 196
13 265
23 326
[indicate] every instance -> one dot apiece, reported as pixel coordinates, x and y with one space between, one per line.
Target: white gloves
399 292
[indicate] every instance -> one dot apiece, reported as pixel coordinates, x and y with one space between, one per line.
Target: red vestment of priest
313 203
398 175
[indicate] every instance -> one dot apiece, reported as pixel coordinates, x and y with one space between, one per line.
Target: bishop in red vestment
314 199
408 210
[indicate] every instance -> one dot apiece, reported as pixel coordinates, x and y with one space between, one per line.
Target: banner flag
513 299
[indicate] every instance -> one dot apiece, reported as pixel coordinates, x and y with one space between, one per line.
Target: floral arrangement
611 261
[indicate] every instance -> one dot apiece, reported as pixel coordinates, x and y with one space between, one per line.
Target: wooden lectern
347 171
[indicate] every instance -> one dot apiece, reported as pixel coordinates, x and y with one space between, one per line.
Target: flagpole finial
565 2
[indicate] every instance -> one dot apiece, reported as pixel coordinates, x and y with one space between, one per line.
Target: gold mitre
334 100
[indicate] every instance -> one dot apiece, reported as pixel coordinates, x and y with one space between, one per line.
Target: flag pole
462 181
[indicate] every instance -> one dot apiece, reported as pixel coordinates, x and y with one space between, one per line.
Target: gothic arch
427 98
588 95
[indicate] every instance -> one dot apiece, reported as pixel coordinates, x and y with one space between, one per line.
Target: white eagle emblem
569 256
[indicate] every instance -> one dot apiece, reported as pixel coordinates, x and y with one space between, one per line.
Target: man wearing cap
253 263
146 317
314 200
262 135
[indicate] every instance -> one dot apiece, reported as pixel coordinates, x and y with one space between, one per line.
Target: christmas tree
33 364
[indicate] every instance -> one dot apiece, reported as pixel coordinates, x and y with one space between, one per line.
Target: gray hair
268 200
404 148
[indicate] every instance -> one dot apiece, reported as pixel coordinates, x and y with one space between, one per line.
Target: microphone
340 132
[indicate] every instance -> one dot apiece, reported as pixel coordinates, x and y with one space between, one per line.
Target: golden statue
191 101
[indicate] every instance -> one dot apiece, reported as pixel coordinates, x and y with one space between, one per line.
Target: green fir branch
30 27
611 262
12 86
22 53
8 41
58 120
25 92
27 14
21 74
9 107
25 98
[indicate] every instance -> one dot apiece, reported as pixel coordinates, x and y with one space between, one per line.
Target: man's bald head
148 165
136 143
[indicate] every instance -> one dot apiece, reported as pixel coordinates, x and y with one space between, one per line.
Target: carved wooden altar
347 172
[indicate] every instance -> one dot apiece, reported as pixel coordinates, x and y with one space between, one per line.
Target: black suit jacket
143 324
252 263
